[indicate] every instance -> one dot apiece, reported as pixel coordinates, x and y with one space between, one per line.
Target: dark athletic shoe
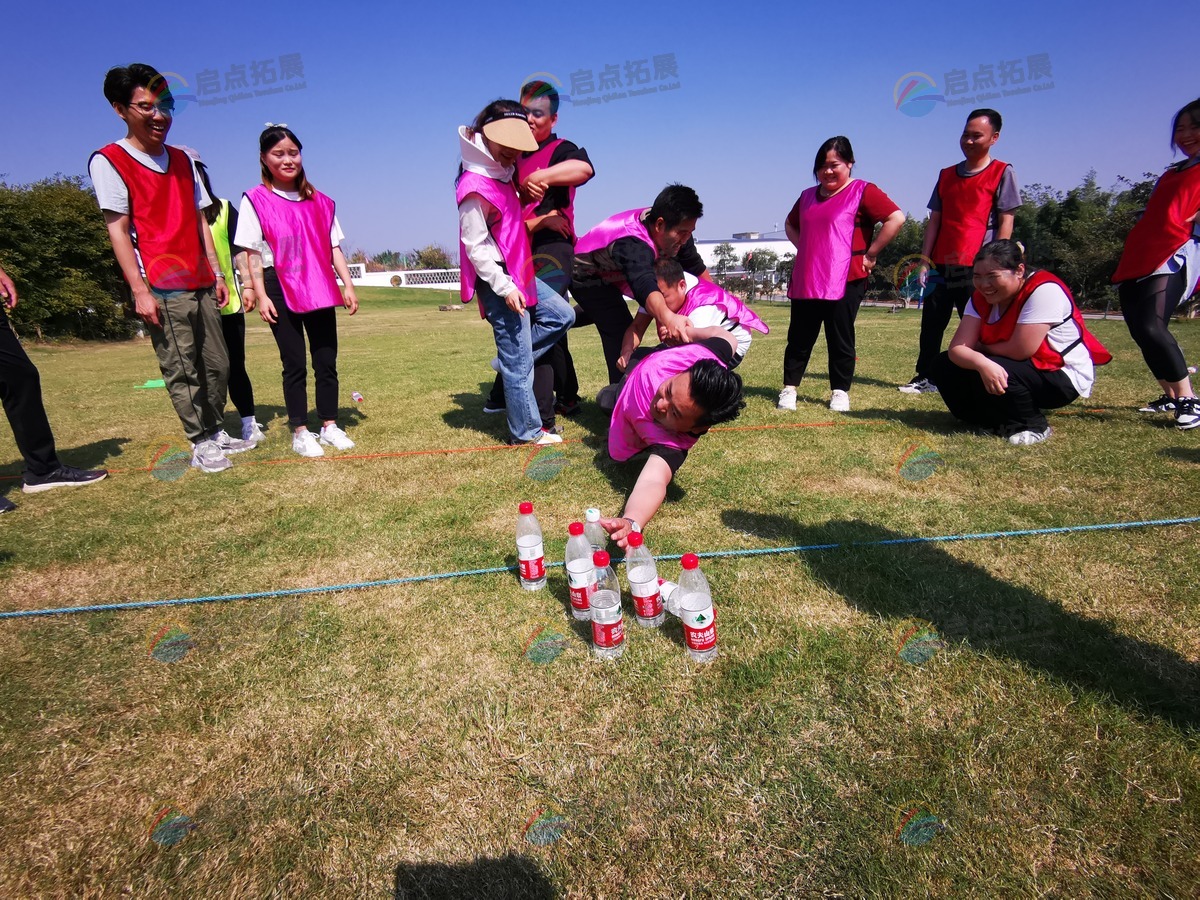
567 409
919 386
490 407
63 476
1163 404
6 505
1187 413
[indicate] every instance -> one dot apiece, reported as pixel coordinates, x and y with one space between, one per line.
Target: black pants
289 331
241 392
21 394
950 288
838 318
1147 306
1019 408
605 307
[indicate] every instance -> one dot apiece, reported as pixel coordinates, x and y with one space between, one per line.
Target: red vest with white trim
1045 357
162 207
966 208
1163 227
508 230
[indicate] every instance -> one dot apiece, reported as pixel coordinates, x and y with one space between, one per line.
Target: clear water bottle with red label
531 557
608 626
643 583
696 611
581 572
594 531
669 591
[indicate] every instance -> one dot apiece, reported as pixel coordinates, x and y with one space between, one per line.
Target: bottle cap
575 529
526 508
690 561
592 515
600 559
635 539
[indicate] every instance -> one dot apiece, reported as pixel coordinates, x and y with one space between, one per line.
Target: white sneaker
787 399
207 457
252 432
332 436
1025 438
305 443
839 401
230 444
548 437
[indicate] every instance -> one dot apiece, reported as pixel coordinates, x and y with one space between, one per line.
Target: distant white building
744 242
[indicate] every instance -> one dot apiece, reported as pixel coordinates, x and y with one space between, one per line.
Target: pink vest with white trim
298 234
536 161
708 294
633 428
508 230
826 234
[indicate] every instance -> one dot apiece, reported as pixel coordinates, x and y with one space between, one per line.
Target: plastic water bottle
594 531
669 591
356 397
643 583
608 627
581 572
696 611
531 558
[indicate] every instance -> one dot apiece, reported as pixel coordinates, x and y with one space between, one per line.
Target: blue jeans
521 339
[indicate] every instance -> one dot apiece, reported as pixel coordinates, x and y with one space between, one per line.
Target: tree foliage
432 256
54 245
724 257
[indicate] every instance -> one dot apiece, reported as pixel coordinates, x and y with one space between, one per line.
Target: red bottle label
580 597
533 569
648 607
607 636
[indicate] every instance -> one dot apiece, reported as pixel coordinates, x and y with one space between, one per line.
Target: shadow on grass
1181 454
85 456
967 603
624 475
509 877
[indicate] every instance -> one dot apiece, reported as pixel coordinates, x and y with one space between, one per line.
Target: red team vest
508 230
1161 230
536 161
1046 357
162 207
966 207
298 234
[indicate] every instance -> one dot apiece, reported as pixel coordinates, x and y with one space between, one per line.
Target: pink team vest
623 224
298 234
508 230
826 234
536 161
708 294
633 428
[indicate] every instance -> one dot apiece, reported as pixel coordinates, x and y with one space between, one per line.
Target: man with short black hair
616 259
669 400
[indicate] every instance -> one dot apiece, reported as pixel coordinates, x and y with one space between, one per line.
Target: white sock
246 420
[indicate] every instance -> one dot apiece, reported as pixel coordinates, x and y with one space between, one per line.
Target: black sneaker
6 505
1162 405
490 407
63 476
567 409
1187 413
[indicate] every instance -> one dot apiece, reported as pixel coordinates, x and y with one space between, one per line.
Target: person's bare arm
349 298
144 302
644 501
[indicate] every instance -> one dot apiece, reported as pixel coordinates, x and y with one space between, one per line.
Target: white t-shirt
250 234
707 316
1049 305
112 194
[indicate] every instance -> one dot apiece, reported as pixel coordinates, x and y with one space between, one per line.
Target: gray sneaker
1025 438
919 386
230 444
207 457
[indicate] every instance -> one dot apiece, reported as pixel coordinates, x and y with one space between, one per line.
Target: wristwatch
632 524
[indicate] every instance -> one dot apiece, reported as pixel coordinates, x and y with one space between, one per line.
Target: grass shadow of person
883 573
509 877
1181 454
85 456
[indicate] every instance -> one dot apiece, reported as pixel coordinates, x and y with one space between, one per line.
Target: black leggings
838 318
241 392
1147 306
289 331
1019 408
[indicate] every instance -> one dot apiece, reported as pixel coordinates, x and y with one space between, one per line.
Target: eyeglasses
163 107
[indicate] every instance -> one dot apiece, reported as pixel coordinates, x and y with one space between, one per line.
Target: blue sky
759 88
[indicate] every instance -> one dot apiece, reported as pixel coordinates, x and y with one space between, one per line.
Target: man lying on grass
669 399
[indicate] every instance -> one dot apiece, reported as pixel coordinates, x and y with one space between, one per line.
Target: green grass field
1013 716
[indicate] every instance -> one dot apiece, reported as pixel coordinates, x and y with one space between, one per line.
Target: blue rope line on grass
712 554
